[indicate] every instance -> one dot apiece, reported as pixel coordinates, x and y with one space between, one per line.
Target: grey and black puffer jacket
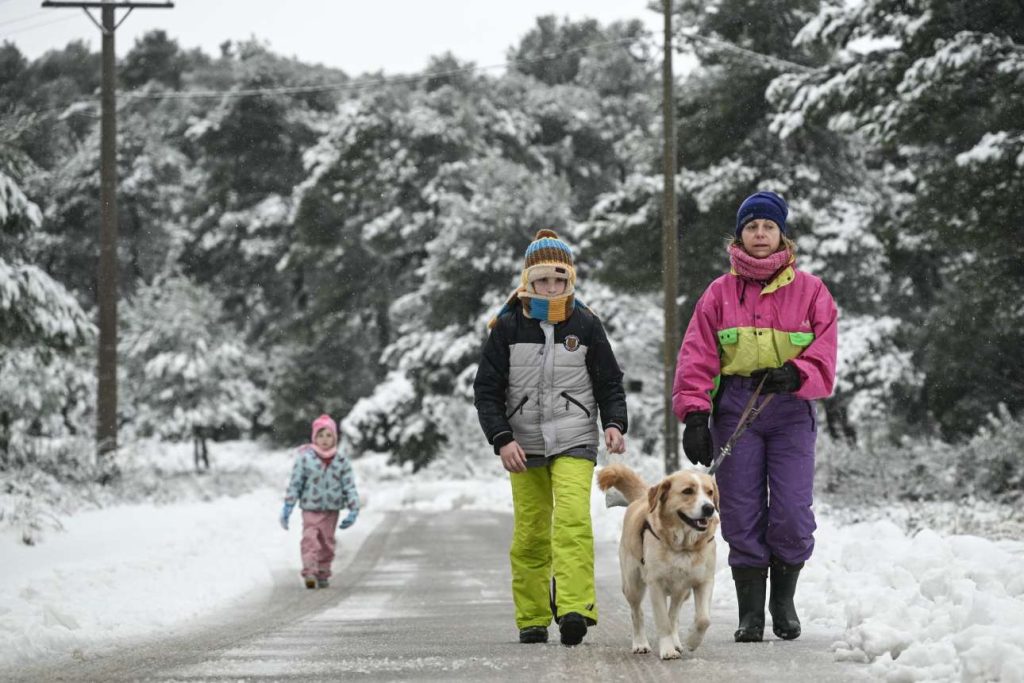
541 384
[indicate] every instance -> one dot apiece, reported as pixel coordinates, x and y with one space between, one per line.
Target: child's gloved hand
286 512
350 519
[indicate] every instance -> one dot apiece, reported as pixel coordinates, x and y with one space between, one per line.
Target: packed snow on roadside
920 606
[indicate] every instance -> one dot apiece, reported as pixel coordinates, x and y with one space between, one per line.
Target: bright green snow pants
553 538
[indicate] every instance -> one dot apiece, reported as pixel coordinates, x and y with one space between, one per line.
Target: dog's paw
667 649
695 636
641 648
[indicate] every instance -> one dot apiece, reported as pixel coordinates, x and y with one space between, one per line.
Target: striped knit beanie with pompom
548 256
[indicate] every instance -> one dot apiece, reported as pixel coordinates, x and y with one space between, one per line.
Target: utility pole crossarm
98 4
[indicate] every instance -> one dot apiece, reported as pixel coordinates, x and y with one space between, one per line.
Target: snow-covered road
921 607
427 598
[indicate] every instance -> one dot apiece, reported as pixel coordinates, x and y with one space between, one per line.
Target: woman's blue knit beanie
762 205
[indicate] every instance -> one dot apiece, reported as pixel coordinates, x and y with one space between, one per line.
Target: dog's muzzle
700 523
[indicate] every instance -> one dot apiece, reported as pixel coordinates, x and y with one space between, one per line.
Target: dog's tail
620 477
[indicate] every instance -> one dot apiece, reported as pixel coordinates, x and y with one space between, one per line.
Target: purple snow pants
766 484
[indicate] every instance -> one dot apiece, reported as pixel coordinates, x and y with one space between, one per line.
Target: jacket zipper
517 408
569 399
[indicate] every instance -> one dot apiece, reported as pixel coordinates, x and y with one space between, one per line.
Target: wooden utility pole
106 274
669 244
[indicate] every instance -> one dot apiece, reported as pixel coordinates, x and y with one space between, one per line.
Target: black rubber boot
750 592
785 622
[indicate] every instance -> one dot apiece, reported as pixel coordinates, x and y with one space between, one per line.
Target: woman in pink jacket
763 320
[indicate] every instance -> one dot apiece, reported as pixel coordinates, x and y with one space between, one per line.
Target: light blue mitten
350 519
286 512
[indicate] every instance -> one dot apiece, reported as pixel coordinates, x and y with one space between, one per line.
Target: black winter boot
572 627
785 622
533 634
750 591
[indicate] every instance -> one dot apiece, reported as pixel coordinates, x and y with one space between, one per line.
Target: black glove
784 380
697 439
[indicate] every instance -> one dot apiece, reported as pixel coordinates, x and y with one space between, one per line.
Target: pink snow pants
318 542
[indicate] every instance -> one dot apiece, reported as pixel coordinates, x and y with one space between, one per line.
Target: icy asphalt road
427 598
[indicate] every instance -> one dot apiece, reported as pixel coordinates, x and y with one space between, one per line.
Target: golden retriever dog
668 547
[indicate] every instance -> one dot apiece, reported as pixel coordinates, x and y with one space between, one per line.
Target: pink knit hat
323 422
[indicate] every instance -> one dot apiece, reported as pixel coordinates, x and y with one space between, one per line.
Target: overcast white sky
354 35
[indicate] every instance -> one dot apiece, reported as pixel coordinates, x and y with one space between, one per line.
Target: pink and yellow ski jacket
739 326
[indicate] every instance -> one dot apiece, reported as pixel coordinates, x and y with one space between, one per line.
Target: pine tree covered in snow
524 168
727 149
187 373
934 91
248 157
470 267
41 326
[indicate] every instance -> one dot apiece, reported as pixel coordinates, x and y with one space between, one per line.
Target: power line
348 86
24 17
367 84
35 26
394 80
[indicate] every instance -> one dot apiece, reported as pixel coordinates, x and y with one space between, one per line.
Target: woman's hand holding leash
782 380
697 439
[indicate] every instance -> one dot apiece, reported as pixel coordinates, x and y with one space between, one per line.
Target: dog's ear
714 488
658 494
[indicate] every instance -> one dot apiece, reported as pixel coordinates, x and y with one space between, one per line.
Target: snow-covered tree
248 153
154 57
932 91
41 326
542 143
487 212
187 373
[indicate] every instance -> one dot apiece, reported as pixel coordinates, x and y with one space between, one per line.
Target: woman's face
550 286
761 237
325 439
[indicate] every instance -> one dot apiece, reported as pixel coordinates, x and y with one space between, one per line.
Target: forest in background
295 239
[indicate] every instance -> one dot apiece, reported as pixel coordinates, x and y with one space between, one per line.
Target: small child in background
322 483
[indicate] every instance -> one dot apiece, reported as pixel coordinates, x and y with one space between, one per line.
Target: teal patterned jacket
315 487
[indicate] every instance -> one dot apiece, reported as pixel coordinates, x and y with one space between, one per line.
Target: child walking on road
322 484
546 369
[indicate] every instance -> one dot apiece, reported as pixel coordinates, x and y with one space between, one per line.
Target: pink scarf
324 454
758 269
